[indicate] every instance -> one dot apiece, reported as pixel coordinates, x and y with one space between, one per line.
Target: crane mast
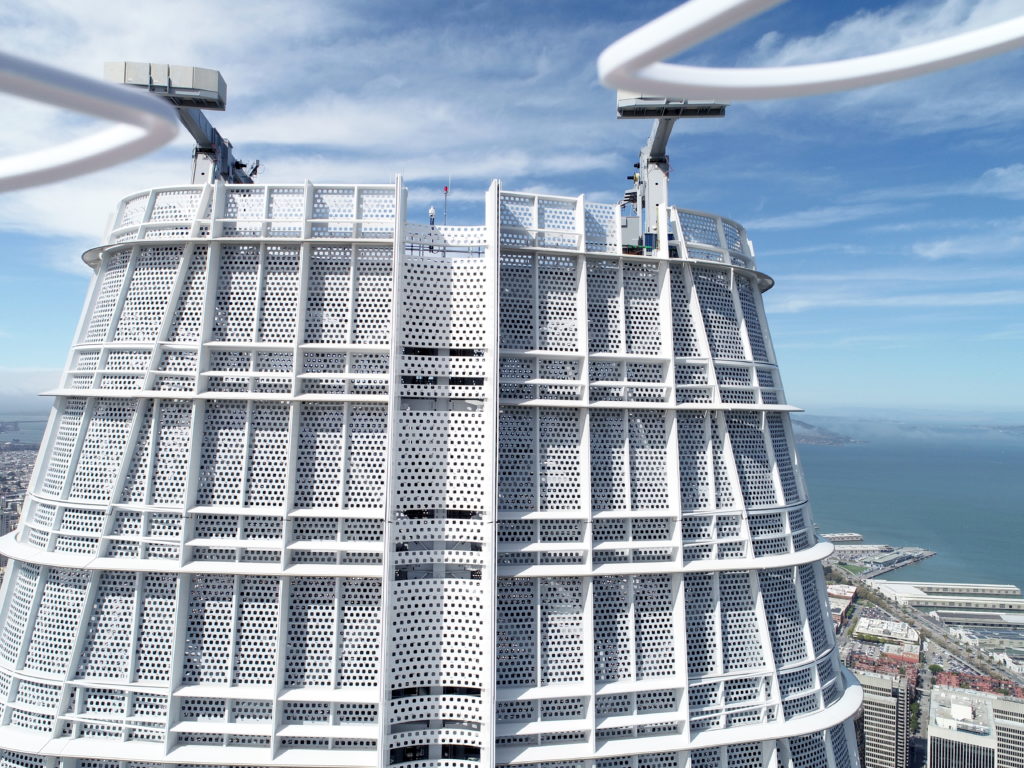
650 182
190 90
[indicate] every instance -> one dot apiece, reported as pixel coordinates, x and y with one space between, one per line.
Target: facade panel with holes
323 487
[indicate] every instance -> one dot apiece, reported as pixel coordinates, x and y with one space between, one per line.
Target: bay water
957 493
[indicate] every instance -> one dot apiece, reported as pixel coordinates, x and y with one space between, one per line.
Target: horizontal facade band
319 398
19 552
843 709
512 693
151 394
370 513
646 406
309 693
317 694
504 514
345 346
93 256
29 742
122 241
818 552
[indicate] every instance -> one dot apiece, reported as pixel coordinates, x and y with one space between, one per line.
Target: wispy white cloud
820 217
916 224
1005 182
930 273
831 248
947 101
886 29
77 211
327 92
990 243
27 382
836 299
874 341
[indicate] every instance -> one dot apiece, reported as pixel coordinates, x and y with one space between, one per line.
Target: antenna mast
447 187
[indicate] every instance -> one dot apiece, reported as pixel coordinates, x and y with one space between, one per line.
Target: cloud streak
931 273
977 246
820 217
825 299
940 102
1006 182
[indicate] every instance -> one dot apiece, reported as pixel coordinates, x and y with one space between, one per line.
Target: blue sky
890 217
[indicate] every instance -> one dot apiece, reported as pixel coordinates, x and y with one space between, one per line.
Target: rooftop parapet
713 238
366 212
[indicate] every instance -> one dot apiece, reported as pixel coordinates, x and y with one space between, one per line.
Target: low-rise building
904 653
848 551
995 620
930 596
845 538
838 607
844 591
1013 658
840 598
885 631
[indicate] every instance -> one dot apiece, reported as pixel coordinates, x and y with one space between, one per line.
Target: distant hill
821 429
811 434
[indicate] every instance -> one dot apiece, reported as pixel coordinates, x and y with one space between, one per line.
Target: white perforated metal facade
325 488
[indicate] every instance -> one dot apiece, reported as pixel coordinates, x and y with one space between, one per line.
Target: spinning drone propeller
636 62
147 123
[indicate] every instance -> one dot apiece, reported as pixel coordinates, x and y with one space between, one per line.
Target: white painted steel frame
244 544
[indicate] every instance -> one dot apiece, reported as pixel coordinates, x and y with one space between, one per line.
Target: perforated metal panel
321 487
